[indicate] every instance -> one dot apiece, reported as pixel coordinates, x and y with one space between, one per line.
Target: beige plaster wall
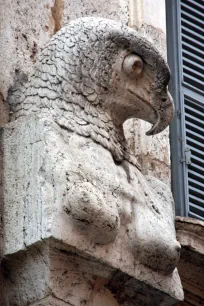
149 18
27 25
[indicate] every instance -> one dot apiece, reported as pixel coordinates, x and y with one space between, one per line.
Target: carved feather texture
74 79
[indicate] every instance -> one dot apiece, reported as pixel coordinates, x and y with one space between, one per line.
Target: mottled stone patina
70 177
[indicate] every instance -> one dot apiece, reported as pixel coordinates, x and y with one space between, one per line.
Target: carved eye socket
133 65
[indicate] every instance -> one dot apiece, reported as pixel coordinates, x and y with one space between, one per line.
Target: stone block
63 187
51 273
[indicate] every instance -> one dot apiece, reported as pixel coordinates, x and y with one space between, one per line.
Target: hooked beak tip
154 127
163 120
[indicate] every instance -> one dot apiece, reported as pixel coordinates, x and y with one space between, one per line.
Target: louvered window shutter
185 46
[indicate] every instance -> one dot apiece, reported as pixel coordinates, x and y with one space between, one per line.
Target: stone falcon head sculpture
92 76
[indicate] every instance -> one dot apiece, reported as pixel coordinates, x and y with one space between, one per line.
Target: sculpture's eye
133 65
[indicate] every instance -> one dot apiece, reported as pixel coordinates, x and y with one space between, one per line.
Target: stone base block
51 273
81 229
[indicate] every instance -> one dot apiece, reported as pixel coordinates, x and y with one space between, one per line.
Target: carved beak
165 113
153 104
158 110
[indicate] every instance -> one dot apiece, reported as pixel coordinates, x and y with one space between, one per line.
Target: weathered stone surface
190 233
81 80
146 12
151 9
87 81
49 164
27 26
149 18
4 111
152 152
69 173
51 273
62 188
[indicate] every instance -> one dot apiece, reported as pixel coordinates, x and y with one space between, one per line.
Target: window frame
177 126
180 91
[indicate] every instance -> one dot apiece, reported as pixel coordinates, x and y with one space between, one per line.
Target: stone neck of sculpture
85 119
103 124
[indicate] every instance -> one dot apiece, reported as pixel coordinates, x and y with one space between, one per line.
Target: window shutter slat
187 64
193 63
191 10
187 36
193 19
191 25
197 4
193 57
195 183
192 37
